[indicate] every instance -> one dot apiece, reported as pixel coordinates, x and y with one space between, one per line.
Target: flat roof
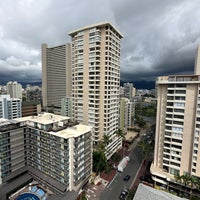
95 25
43 118
49 118
74 131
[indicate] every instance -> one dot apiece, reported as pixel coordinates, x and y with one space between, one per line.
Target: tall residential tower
177 147
14 89
96 80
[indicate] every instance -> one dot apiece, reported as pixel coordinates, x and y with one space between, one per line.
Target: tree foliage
99 161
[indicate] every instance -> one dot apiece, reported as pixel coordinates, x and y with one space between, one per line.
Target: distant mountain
137 84
24 83
141 84
31 83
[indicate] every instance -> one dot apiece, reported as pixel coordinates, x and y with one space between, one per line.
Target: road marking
112 179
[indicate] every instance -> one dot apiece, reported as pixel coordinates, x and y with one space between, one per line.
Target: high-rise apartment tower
14 89
96 80
177 147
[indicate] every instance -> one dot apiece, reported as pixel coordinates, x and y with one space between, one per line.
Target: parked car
124 194
127 177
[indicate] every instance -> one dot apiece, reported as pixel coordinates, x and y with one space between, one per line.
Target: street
114 188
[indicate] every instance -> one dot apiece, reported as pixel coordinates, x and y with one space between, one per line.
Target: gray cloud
160 38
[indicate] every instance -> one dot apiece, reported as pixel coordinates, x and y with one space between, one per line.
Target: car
127 177
124 194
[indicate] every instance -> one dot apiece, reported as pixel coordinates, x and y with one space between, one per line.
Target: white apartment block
14 89
96 80
10 108
177 147
56 75
52 149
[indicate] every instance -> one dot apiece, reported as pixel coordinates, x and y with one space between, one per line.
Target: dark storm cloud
160 37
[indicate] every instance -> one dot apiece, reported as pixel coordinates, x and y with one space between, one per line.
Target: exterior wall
124 114
66 107
95 83
56 74
30 109
177 128
197 61
14 89
49 154
128 90
44 74
160 120
189 126
11 150
10 108
56 156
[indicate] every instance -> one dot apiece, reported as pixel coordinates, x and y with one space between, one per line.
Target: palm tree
121 135
178 179
197 183
106 140
100 151
193 181
146 148
186 180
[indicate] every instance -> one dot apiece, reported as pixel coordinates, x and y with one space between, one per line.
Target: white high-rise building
14 89
96 80
10 108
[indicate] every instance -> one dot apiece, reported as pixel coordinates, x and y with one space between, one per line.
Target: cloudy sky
160 37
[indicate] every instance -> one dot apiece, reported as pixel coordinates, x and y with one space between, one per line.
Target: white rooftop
44 118
148 193
74 131
49 118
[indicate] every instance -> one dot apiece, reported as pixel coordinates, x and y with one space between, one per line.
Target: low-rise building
30 108
49 148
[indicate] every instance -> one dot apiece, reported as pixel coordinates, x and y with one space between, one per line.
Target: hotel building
177 147
96 80
56 75
50 149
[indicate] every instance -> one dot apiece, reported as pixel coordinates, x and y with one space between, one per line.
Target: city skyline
159 38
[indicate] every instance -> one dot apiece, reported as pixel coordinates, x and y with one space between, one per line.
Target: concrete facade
177 149
10 108
56 75
14 89
53 150
96 79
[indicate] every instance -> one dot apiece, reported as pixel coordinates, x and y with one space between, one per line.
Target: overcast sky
160 37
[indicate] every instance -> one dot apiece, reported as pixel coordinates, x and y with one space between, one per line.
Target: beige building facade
56 75
14 89
177 148
96 80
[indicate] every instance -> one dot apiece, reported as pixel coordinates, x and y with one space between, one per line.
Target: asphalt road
114 188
